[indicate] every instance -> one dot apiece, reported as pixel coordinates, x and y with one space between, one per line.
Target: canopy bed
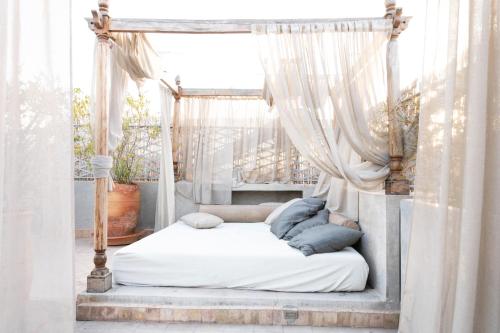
237 255
326 102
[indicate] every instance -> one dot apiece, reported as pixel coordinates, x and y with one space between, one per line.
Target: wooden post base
99 283
397 186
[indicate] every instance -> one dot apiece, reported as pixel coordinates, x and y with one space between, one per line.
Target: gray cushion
318 219
297 212
325 238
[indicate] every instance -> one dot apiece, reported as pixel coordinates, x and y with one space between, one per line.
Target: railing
148 152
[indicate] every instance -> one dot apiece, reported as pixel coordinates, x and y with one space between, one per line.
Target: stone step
227 306
235 315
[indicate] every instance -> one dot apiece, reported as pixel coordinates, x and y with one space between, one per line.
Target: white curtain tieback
102 165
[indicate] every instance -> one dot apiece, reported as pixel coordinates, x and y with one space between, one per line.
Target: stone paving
129 327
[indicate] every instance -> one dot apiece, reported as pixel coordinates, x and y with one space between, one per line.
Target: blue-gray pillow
297 212
325 238
318 219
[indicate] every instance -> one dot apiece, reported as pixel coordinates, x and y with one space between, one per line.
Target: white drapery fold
453 272
36 171
228 141
328 82
132 57
165 203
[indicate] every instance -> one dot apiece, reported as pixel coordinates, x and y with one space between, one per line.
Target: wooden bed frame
100 279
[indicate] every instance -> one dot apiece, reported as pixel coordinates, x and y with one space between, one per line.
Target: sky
229 61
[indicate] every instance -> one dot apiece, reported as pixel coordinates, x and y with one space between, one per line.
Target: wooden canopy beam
189 92
170 85
235 26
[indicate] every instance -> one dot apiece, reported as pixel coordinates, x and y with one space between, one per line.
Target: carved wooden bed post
396 183
175 124
100 280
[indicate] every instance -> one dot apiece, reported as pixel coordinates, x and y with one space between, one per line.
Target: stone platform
365 309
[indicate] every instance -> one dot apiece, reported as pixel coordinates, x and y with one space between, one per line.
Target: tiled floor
84 255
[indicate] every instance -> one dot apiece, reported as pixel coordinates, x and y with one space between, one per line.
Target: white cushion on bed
235 255
274 215
201 220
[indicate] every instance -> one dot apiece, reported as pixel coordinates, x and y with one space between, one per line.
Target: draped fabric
165 203
132 57
36 172
206 148
328 82
453 272
262 152
225 142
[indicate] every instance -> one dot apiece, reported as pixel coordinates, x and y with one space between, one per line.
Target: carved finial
390 8
392 12
100 20
103 6
398 23
178 80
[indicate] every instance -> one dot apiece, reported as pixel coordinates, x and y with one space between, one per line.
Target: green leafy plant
83 139
139 129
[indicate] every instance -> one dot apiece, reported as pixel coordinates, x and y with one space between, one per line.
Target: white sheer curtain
453 273
329 85
165 203
207 148
36 172
228 141
262 151
132 57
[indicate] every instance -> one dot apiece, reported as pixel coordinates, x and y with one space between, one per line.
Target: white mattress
235 255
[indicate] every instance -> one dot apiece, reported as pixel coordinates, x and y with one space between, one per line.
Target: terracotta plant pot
124 205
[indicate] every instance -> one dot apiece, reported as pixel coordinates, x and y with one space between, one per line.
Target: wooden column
100 279
175 125
396 182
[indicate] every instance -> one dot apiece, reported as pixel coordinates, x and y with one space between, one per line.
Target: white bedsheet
235 255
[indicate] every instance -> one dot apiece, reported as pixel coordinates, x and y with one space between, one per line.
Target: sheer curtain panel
165 203
132 57
229 141
36 173
453 272
328 82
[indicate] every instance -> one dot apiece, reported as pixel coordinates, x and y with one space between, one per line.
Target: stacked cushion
278 210
295 213
325 238
316 220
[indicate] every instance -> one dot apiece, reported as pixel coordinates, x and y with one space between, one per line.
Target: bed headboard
239 213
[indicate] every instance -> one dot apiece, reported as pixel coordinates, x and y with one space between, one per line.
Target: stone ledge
367 300
235 315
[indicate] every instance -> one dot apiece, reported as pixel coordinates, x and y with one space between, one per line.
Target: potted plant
139 128
124 202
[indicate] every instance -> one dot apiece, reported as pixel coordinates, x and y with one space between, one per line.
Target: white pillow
275 213
201 220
